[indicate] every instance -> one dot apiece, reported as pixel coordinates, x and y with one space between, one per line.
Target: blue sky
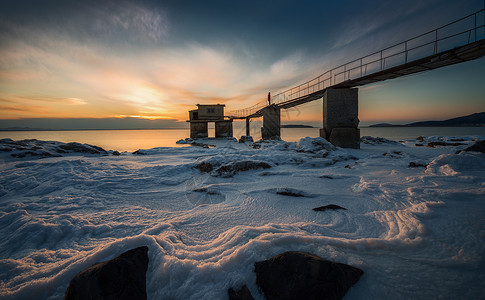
157 59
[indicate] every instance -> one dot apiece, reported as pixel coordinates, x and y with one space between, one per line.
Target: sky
69 63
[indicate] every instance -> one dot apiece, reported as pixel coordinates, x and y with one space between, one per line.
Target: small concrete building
199 119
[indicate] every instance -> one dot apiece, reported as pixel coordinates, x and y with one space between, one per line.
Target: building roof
210 104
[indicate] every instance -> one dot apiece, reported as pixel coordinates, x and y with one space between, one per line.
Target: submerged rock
242 294
328 207
298 275
122 278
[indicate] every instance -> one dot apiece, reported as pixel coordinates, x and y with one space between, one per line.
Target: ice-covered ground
418 233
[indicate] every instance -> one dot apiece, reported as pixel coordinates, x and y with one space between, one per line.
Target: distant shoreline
420 126
37 129
473 120
296 126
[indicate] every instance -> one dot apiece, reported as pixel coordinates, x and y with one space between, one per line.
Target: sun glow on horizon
140 61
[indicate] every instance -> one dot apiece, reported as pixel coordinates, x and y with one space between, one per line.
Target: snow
416 232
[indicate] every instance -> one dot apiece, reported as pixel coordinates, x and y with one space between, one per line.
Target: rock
416 165
204 167
123 277
230 169
242 294
298 275
393 154
246 139
328 207
290 192
434 144
477 147
139 152
83 148
376 140
116 153
314 145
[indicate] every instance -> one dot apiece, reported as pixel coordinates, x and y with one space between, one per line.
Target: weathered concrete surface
198 130
223 129
345 137
271 129
340 117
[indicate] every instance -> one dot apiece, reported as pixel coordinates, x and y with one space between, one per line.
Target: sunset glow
155 60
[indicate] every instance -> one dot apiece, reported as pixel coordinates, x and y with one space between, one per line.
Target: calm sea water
131 140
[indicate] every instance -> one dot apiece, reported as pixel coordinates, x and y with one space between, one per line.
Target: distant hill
296 126
473 120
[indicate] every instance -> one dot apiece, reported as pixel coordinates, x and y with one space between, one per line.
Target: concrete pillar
198 130
340 118
248 131
271 123
223 129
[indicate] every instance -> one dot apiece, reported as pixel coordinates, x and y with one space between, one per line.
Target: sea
132 140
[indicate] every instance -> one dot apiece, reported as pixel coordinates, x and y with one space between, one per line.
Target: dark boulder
477 147
298 275
242 294
434 144
204 167
416 165
246 139
139 152
123 277
232 168
329 207
291 192
83 148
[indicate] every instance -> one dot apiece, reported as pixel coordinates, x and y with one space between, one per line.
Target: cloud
114 17
76 101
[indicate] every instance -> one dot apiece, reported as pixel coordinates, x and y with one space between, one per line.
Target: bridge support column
340 118
248 131
223 129
198 130
271 123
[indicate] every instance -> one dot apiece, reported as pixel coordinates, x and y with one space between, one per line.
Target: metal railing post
406 52
436 42
361 67
475 27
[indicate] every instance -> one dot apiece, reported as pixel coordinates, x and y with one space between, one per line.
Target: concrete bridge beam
271 129
340 118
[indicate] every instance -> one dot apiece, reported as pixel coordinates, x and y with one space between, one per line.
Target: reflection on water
131 140
121 140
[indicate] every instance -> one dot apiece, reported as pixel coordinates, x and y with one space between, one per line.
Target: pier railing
461 32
